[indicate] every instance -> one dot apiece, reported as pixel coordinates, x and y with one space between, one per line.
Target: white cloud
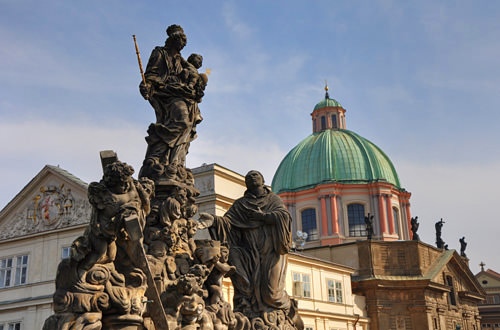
234 22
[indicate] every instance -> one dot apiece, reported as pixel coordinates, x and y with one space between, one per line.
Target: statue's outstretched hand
205 221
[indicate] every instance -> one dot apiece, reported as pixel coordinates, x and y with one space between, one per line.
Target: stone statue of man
257 229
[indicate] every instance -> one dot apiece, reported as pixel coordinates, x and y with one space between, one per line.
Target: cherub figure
157 255
171 268
192 305
195 80
170 237
190 211
116 200
181 195
190 73
192 192
214 281
170 211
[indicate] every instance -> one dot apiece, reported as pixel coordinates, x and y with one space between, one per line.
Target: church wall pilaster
324 217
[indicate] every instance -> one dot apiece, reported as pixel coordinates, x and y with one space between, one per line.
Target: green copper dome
333 155
327 102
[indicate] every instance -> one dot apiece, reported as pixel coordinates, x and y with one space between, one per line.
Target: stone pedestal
122 322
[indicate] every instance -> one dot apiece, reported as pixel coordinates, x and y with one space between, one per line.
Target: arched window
395 219
356 216
323 122
314 124
334 121
309 224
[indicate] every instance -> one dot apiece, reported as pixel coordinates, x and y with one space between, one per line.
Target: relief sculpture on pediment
51 207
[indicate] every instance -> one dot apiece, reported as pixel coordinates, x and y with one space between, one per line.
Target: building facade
489 310
324 294
410 284
334 178
36 230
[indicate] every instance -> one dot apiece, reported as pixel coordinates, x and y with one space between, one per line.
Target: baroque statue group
138 265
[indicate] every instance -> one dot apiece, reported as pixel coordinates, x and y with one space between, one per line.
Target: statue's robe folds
258 250
174 106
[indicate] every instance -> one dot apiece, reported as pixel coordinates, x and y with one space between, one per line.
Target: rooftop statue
257 229
439 241
414 228
369 226
463 246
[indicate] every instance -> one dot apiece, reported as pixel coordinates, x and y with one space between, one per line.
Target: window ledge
20 286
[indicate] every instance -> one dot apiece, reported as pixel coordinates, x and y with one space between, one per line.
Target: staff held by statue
139 60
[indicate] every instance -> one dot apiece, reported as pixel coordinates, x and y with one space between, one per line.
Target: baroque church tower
334 178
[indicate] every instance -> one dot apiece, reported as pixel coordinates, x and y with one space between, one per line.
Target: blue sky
419 79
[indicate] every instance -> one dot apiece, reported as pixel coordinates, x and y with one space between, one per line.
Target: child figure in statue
190 73
157 256
214 281
116 198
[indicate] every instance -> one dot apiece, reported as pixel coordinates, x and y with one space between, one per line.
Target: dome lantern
328 114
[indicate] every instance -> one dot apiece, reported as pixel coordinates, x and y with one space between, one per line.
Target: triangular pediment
489 278
53 199
451 264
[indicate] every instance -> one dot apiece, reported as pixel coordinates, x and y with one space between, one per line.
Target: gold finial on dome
326 90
